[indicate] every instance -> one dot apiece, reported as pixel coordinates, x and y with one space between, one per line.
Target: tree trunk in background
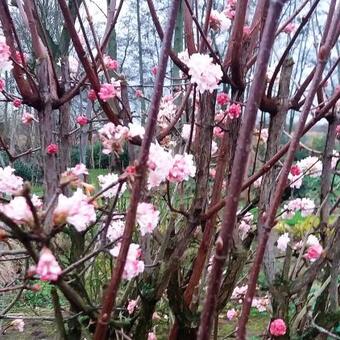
276 126
64 120
140 61
46 127
178 43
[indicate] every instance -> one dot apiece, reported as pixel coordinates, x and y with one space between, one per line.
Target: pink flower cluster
110 63
204 72
5 53
219 21
18 210
116 229
19 324
109 91
133 265
229 11
113 136
163 166
74 210
278 327
27 118
260 303
9 183
233 111
131 306
283 241
245 225
231 314
147 217
48 267
305 205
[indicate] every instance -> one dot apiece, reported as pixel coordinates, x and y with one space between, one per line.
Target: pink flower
278 327
234 111
152 336
110 63
19 324
116 229
5 63
314 252
131 306
9 183
48 268
183 167
222 99
82 120
74 210
52 149
147 217
231 313
154 70
229 13
79 169
283 241
113 137
204 72
139 94
133 265
18 210
159 163
218 132
17 102
246 31
295 170
218 21
27 118
107 91
305 205
2 85
290 28
91 95
260 304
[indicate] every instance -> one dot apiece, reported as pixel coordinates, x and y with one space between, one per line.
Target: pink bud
154 70
17 102
91 95
222 99
52 149
82 120
295 170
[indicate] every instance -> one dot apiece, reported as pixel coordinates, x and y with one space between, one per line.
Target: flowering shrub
194 196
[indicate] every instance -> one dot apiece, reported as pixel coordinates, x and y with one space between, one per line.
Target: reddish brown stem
275 202
111 293
238 169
